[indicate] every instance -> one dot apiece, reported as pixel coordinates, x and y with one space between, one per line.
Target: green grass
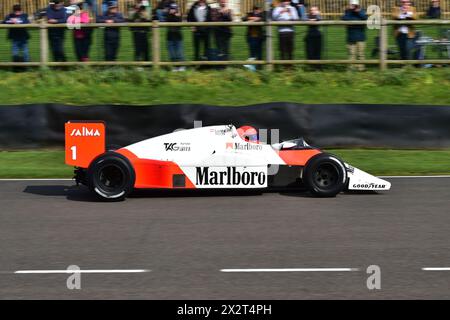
50 163
230 87
234 86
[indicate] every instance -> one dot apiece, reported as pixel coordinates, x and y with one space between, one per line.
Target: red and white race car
207 158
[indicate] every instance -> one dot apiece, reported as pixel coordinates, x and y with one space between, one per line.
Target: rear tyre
111 177
325 175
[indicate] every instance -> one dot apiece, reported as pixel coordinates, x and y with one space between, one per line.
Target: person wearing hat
18 36
107 4
140 34
356 34
162 9
112 34
56 14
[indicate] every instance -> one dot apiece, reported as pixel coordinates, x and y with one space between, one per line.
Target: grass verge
229 87
50 163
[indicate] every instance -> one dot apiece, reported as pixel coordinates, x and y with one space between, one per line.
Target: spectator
162 9
18 36
72 8
175 37
286 12
434 11
107 4
81 36
92 4
200 12
140 34
112 34
301 8
255 34
56 14
222 34
356 34
405 34
313 37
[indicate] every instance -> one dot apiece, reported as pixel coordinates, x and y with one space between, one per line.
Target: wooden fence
269 60
330 9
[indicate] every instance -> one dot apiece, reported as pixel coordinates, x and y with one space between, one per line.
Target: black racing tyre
111 176
325 175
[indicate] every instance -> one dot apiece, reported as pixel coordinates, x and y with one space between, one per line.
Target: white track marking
436 269
413 177
292 270
82 271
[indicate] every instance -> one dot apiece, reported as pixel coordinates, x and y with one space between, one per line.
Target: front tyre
111 176
325 175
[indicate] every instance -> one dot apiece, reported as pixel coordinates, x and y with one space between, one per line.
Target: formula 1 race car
207 158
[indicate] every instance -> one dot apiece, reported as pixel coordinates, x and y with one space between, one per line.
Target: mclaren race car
215 157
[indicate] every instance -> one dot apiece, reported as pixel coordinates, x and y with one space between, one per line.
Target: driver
248 134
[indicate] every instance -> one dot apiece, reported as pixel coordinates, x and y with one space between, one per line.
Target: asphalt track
186 240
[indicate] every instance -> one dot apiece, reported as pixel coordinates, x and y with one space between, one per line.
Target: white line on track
436 269
292 270
414 177
82 271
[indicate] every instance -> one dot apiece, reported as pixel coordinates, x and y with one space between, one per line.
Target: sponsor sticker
220 132
243 146
173 146
250 177
85 132
368 186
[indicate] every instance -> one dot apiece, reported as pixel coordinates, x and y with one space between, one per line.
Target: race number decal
84 142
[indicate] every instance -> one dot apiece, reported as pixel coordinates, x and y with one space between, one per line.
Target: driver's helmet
248 133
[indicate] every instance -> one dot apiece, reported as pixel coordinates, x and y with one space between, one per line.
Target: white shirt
200 13
279 15
403 16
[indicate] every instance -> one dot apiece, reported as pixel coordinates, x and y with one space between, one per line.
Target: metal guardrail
269 61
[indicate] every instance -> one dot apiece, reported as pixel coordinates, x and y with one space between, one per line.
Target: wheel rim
326 176
111 178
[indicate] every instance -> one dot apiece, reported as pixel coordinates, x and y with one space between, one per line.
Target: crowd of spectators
209 42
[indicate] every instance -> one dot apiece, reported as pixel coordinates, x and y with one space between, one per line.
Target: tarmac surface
175 246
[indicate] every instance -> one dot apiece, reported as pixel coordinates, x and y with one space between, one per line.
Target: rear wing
84 140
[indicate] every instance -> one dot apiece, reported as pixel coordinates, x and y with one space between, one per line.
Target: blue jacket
112 32
59 15
355 33
17 34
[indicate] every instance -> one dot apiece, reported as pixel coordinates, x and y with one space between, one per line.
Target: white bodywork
360 180
213 146
219 148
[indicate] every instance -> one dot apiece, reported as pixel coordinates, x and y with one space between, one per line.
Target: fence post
383 44
269 47
43 44
156 45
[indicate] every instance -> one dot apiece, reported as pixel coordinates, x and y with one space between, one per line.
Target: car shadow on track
81 193
73 193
